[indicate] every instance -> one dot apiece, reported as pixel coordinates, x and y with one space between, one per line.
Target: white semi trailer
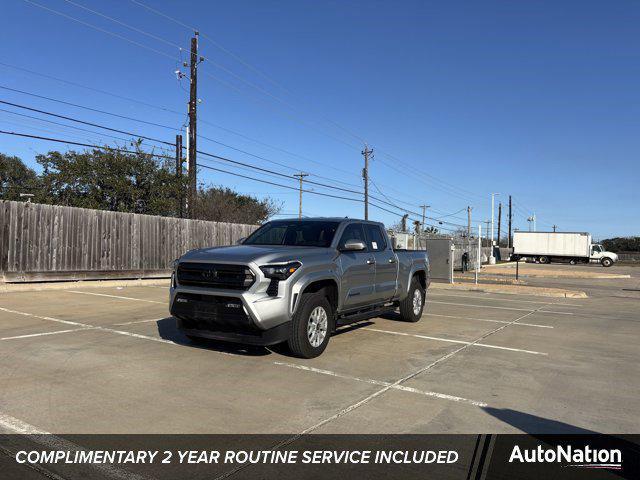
571 247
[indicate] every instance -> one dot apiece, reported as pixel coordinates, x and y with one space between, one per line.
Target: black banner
467 457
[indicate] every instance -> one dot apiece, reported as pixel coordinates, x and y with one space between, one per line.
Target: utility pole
469 222
368 154
488 222
424 214
509 237
300 175
499 221
554 228
492 259
179 172
193 103
534 222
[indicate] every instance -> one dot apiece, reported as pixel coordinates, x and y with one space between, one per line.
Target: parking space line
504 308
431 294
42 334
114 296
54 442
103 329
439 339
427 393
487 320
138 321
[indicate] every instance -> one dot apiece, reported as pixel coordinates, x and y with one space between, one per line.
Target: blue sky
539 100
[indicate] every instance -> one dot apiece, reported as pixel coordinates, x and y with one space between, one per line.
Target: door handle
371 261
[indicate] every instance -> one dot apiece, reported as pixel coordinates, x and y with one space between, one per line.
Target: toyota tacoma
296 281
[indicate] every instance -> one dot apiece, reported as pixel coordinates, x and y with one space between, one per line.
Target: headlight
281 271
174 264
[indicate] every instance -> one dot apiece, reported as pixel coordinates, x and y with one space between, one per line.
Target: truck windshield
298 233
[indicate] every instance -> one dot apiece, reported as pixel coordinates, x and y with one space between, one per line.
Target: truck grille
215 275
211 312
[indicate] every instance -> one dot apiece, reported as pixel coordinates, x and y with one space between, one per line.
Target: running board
360 315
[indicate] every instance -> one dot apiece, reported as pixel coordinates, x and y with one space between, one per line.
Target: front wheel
412 306
606 262
311 326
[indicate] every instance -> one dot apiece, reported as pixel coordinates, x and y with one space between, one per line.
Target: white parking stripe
442 396
138 321
559 304
43 334
37 435
115 296
426 314
503 308
476 344
95 327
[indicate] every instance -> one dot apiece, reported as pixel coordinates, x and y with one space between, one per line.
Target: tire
573 261
314 313
544 260
412 306
606 262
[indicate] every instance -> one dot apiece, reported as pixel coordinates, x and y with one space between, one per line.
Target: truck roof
324 219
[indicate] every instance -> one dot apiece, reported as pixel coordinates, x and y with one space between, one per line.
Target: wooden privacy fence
48 242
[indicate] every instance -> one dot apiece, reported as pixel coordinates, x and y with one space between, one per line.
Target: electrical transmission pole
193 102
554 228
424 214
179 173
300 176
499 221
469 222
368 154
509 237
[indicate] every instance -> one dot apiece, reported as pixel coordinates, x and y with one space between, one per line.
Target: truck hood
260 254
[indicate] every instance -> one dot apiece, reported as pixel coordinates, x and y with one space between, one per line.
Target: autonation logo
585 457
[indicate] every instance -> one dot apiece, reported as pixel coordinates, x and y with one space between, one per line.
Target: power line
89 145
108 32
71 119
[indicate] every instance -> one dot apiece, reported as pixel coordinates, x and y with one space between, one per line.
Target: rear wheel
606 262
544 259
412 306
311 326
573 261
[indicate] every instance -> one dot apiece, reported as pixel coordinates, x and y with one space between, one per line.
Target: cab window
353 231
376 240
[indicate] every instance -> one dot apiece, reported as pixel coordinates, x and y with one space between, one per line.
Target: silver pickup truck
296 281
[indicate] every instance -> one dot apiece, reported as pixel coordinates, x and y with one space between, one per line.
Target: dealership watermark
570 456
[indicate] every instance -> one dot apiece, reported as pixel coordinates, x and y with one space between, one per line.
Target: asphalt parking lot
109 360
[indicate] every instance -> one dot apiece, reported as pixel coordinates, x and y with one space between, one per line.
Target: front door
386 262
358 270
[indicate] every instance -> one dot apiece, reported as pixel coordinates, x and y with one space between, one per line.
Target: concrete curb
35 287
512 290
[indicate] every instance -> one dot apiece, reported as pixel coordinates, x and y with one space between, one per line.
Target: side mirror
354 246
240 240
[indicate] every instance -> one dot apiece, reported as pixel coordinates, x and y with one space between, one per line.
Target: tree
111 180
221 204
622 244
17 178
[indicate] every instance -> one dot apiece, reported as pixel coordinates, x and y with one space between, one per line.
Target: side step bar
349 318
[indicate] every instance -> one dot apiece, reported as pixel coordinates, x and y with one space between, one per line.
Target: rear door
386 262
358 270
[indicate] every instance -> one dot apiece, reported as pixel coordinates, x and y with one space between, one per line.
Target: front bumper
252 316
